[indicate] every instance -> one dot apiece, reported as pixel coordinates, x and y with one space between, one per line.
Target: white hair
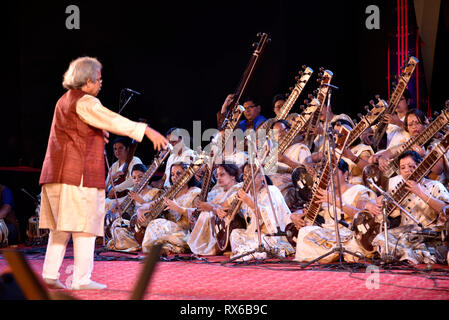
79 71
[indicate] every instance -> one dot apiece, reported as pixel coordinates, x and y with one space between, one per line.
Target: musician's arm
92 112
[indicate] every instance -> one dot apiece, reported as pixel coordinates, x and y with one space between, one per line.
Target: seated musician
121 237
121 149
415 123
293 157
253 118
172 228
202 240
327 113
426 202
246 240
180 153
313 240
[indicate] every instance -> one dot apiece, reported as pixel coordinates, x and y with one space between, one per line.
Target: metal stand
387 257
331 153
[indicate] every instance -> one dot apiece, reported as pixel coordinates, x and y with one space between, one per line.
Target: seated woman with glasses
172 227
415 123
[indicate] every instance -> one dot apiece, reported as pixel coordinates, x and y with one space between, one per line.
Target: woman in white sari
314 241
246 240
202 240
172 228
122 238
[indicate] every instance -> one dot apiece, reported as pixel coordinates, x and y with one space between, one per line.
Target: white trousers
83 252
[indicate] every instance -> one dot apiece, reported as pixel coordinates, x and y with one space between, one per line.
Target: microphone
426 232
331 86
280 233
133 91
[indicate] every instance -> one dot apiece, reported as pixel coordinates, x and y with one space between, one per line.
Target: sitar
405 77
325 78
366 227
159 205
420 140
293 96
141 184
223 227
300 122
235 110
313 207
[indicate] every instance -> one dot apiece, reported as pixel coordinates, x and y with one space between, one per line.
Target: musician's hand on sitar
221 213
374 207
172 205
245 198
414 187
204 206
419 149
297 218
158 140
141 216
135 196
394 119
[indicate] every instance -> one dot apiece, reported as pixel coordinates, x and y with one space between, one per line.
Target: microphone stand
109 167
253 159
331 153
387 257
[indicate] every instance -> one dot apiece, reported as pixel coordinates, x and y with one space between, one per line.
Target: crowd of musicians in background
188 222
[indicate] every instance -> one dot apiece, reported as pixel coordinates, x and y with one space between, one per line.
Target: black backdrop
185 57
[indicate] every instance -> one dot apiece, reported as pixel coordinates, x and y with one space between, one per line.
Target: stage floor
185 278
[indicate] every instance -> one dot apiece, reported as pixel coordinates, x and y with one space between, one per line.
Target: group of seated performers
297 190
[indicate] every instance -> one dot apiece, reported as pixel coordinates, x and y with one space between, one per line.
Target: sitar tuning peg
303 67
447 103
355 121
359 115
259 34
436 114
310 96
297 78
255 44
302 107
366 108
315 92
371 102
301 73
321 69
377 96
306 101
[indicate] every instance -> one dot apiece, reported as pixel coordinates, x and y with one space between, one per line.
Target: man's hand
158 140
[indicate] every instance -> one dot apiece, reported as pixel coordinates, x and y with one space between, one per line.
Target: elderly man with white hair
73 175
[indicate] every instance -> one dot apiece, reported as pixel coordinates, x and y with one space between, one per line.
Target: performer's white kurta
202 240
76 208
314 241
172 231
413 248
243 241
122 237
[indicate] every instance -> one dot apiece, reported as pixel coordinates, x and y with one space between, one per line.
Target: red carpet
201 280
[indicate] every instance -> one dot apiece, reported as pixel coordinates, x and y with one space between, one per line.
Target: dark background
185 57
